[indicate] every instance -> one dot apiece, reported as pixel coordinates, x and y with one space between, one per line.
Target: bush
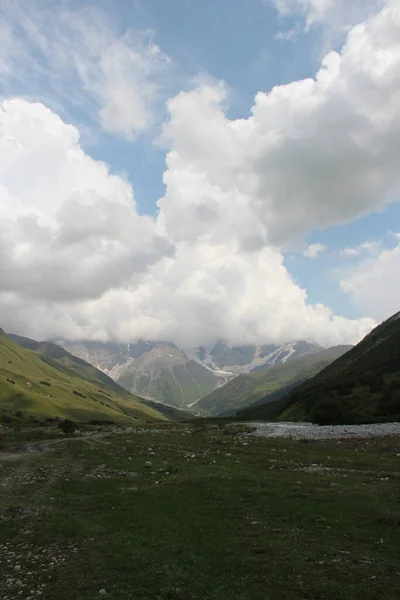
78 394
45 383
67 426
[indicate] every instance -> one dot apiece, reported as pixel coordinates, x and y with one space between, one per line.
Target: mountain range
180 377
293 381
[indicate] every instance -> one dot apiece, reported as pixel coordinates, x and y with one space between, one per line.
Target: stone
148 464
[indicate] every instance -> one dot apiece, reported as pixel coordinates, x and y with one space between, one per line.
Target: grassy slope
101 400
66 359
361 386
237 522
254 387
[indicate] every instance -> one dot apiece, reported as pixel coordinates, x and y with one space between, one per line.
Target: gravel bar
309 431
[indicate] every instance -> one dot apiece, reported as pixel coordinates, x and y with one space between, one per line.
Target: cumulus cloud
78 261
313 153
374 284
83 56
313 250
69 229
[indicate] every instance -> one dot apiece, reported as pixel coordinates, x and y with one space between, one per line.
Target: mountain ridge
249 389
362 386
180 377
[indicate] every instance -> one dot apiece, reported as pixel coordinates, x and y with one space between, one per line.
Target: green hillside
62 357
255 387
38 385
360 387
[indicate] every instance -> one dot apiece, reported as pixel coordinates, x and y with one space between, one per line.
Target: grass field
215 517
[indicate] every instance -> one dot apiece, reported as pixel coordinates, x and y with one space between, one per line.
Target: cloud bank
78 261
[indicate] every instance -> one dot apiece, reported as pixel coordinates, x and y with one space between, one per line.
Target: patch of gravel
309 431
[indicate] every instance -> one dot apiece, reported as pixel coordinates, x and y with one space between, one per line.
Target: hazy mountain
177 377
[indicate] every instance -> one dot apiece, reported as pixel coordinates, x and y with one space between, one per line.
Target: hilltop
44 380
363 386
265 385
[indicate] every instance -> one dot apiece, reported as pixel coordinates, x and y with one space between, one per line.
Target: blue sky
142 80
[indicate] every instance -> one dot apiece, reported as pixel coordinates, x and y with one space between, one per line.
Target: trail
46 446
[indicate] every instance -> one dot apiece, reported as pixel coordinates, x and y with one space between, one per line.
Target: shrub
67 426
46 383
78 394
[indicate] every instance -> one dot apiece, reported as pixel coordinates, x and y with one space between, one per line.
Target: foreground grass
215 517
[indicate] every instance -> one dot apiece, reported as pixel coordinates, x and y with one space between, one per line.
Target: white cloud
78 261
374 284
371 247
314 153
336 13
69 230
350 252
313 250
82 56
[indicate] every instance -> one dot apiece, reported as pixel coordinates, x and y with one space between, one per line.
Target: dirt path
47 445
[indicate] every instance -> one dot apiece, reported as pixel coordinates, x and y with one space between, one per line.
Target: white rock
102 592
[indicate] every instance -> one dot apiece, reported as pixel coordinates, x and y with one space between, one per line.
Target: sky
194 171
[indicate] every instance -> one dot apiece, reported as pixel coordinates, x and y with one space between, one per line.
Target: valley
157 380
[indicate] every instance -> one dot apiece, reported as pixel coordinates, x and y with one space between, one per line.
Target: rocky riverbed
316 432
